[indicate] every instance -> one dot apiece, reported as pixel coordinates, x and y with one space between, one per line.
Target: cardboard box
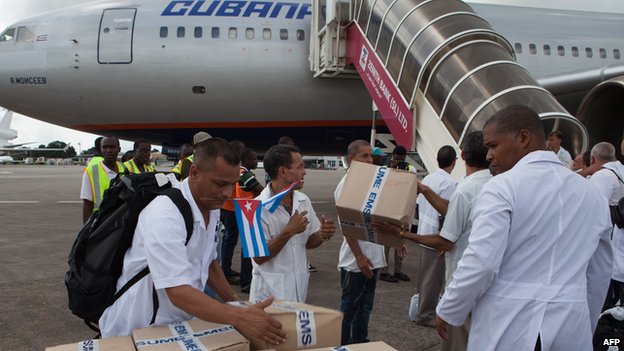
192 335
376 194
369 346
307 326
120 343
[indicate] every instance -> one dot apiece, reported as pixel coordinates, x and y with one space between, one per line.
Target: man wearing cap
187 162
378 156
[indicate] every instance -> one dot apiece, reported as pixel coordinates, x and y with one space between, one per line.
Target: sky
31 130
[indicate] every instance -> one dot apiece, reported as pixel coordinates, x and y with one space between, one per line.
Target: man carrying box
359 264
179 272
290 230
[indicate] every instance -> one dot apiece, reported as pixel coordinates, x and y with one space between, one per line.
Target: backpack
617 211
96 257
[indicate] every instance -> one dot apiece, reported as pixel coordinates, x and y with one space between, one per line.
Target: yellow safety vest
100 182
132 167
94 161
178 168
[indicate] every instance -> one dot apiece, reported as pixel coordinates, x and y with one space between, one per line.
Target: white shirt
285 275
428 218
538 261
458 221
374 252
613 189
564 156
86 193
159 243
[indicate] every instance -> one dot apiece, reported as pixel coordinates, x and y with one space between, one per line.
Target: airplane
164 69
7 134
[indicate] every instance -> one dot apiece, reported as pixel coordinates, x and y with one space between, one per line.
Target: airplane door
115 36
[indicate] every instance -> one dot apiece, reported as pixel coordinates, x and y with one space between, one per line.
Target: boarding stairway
435 70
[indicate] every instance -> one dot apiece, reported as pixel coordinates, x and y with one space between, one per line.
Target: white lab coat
285 275
538 260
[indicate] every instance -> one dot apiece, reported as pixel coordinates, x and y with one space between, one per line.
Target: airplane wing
14 149
579 81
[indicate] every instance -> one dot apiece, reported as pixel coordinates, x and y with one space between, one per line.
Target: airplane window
284 34
249 33
518 48
199 31
25 35
215 32
547 50
616 54
588 52
300 35
532 49
575 51
164 32
266 34
8 35
603 53
561 50
232 33
181 32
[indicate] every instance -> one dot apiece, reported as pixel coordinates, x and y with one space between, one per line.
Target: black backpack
96 257
617 211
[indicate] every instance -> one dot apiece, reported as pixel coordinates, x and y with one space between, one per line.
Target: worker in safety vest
96 179
140 162
97 155
186 160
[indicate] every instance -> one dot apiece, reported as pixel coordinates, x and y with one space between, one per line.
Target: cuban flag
248 217
248 213
273 203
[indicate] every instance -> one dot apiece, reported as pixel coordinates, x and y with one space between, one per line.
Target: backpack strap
617 175
185 209
175 195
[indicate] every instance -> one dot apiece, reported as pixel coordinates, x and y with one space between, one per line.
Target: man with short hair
140 162
609 179
454 235
538 262
96 178
290 230
359 263
179 272
430 215
554 144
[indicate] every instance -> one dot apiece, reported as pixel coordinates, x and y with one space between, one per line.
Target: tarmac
41 215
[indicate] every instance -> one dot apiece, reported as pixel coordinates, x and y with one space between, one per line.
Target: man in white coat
539 259
609 179
290 230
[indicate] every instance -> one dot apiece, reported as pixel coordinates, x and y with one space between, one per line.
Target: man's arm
433 240
438 203
599 271
297 224
364 263
252 321
483 256
87 210
218 282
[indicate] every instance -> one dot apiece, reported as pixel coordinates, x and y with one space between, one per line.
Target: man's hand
442 327
256 323
328 228
388 228
402 252
365 265
297 223
421 187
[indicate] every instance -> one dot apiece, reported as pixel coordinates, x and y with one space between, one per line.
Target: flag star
248 206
